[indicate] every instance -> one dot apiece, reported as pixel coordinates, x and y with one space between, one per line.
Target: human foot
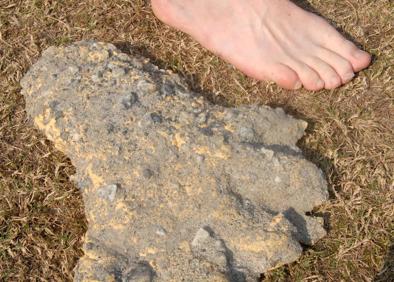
268 40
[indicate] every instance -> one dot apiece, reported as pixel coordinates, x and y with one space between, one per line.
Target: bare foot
268 40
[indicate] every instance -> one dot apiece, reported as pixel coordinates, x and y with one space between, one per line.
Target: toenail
319 83
347 77
334 82
298 85
360 54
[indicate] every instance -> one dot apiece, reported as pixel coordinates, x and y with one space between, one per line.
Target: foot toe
359 59
279 73
326 72
332 82
342 66
284 76
308 76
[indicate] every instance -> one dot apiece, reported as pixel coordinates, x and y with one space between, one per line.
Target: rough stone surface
175 188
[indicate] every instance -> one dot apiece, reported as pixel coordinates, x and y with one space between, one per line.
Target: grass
351 135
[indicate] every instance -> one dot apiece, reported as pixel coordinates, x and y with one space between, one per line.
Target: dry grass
350 135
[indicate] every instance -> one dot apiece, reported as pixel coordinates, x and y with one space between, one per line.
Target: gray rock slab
175 188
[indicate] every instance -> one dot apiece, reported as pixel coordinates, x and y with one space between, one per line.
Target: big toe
358 58
281 74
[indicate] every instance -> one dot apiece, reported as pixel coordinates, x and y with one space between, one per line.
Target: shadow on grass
192 80
387 272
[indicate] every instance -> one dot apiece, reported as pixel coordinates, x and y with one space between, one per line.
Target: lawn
350 135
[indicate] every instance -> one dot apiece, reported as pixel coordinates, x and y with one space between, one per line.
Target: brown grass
351 135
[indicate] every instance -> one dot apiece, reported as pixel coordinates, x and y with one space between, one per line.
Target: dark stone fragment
53 104
130 100
167 90
147 173
142 273
156 118
110 128
207 131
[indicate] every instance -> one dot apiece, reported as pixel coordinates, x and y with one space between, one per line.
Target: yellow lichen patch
148 251
163 133
121 206
222 153
303 124
136 173
202 150
98 155
109 278
178 140
153 264
83 51
276 220
89 262
217 277
257 244
192 189
34 87
117 226
90 255
200 100
173 204
218 115
134 76
194 104
149 145
177 125
91 216
229 127
98 56
224 215
48 126
96 179
184 246
133 240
